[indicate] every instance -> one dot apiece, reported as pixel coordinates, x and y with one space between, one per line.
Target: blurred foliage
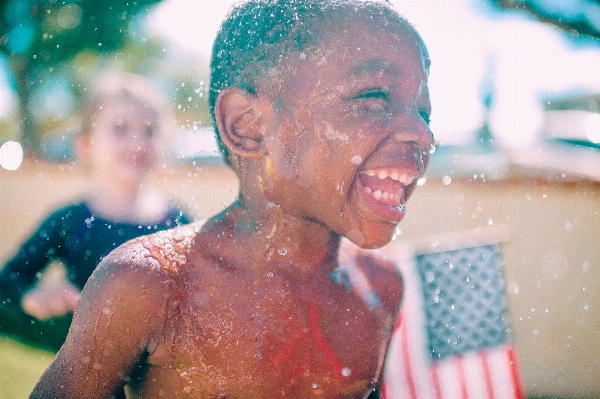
38 37
577 17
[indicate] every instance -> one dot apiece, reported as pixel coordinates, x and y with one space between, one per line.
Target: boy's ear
240 122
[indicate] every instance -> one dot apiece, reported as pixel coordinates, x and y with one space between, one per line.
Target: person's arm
116 319
44 245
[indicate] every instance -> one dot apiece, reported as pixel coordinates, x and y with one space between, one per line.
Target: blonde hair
115 85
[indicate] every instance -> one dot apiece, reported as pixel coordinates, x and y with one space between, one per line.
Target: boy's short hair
258 34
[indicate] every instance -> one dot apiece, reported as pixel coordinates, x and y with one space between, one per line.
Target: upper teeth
393 174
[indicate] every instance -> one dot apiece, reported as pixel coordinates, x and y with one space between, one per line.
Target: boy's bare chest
269 339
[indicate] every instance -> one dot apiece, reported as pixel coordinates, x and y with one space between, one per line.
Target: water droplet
282 251
356 160
586 266
585 306
269 274
513 287
346 372
429 276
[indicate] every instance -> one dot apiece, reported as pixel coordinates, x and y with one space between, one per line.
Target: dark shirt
78 238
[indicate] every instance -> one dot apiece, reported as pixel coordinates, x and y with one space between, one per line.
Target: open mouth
386 185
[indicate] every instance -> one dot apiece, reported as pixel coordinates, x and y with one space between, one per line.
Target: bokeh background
515 89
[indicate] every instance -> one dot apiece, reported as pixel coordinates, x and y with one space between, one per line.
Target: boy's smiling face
349 137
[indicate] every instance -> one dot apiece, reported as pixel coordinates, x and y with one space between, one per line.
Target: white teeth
383 196
393 174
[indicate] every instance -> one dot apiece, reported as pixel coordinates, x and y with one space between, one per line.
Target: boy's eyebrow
373 66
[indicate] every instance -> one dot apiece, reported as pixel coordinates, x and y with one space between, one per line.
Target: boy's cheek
278 161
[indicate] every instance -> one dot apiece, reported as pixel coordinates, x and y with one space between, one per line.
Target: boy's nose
411 128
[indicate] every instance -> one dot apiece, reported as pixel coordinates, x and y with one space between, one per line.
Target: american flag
453 338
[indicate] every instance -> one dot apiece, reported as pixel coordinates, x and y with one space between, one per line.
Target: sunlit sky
467 41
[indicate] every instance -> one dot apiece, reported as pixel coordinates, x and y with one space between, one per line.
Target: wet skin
342 113
245 306
207 327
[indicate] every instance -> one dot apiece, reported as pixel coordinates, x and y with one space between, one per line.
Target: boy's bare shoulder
163 253
385 277
144 264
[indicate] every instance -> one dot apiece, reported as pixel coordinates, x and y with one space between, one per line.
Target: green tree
575 17
38 36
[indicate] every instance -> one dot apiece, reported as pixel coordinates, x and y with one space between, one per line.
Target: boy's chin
368 240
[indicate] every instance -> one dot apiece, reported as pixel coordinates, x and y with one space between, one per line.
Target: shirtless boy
322 110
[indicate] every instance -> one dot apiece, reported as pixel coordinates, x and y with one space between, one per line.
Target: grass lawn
20 368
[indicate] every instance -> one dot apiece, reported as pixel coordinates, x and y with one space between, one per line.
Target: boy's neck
274 238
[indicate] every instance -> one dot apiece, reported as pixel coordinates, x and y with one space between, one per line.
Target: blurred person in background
120 142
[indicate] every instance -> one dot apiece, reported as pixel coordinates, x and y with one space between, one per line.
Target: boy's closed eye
375 101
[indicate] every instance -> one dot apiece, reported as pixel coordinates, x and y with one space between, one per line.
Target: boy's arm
116 317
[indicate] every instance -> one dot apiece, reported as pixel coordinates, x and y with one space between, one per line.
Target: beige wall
552 253
552 269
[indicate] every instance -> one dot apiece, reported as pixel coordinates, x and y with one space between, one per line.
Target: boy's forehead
340 28
350 59
370 36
